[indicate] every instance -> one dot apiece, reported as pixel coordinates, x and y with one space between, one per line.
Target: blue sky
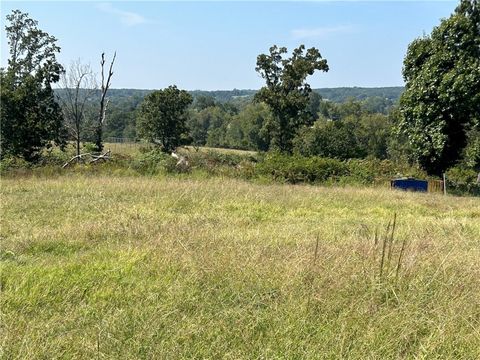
213 45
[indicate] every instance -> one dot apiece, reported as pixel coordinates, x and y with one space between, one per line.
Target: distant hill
343 93
333 94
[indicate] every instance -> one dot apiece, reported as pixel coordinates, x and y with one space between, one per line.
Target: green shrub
462 181
371 170
153 162
56 156
89 147
217 163
295 169
12 163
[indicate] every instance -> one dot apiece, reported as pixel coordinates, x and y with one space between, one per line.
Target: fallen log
105 156
94 158
76 157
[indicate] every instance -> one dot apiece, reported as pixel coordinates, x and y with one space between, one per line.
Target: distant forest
340 94
124 103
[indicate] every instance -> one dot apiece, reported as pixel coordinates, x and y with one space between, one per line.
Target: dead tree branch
93 158
103 101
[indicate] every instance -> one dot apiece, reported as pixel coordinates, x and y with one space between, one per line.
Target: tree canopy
162 118
286 91
441 102
31 118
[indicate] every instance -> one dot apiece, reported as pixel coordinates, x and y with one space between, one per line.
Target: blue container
409 184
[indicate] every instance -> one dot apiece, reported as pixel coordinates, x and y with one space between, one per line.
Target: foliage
207 126
337 95
295 169
162 117
11 164
350 137
373 132
373 171
398 148
286 92
123 109
247 130
342 94
334 139
442 97
202 102
471 156
462 180
31 118
314 169
152 162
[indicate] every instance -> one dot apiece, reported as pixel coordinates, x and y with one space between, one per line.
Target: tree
202 102
208 126
471 156
313 107
252 122
163 118
103 102
31 119
333 139
373 134
441 102
78 83
286 92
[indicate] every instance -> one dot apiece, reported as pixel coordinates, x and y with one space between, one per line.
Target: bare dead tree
79 86
103 102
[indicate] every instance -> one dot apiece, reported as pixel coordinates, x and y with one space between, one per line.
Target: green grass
133 149
136 267
219 150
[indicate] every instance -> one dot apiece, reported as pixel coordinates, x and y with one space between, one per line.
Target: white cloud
320 32
126 17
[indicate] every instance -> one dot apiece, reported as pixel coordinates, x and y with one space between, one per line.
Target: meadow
173 267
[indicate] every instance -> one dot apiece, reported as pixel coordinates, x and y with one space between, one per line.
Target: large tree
30 117
286 91
441 102
163 117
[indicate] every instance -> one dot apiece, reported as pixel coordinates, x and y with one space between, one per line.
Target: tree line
436 122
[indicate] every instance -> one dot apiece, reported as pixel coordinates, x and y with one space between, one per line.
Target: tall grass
158 267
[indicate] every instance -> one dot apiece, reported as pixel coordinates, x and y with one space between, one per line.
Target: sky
213 45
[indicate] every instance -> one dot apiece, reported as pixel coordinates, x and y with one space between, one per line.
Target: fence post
444 184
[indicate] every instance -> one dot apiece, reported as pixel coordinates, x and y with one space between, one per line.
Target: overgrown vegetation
30 117
441 102
139 267
175 248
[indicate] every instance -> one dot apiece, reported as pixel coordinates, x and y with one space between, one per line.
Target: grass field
134 148
142 267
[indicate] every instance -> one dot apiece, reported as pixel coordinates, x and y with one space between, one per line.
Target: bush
89 147
153 162
295 169
462 181
13 163
225 164
56 156
371 171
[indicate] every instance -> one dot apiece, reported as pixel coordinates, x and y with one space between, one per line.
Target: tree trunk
78 145
98 138
103 103
77 138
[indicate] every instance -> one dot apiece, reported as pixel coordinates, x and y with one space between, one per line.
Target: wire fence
121 144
